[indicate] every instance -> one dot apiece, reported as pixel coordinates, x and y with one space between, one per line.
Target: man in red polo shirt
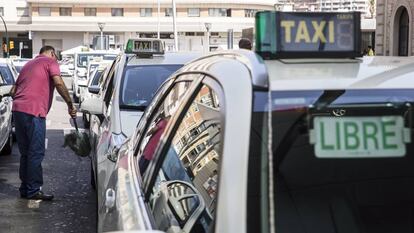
32 99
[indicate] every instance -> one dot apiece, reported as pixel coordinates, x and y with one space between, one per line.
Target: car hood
129 121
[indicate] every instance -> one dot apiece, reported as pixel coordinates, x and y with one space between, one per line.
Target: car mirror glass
94 89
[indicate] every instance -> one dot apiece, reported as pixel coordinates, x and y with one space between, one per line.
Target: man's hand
72 110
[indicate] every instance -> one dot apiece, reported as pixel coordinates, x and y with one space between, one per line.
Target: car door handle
109 199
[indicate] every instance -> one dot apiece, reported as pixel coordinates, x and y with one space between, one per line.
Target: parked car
82 60
301 136
8 70
6 133
95 80
19 63
129 87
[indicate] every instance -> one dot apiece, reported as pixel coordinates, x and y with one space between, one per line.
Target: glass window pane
22 11
65 11
168 12
140 84
90 11
117 11
193 12
146 12
192 165
155 129
44 11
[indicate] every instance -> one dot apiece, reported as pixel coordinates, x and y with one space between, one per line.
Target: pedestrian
32 99
245 43
370 51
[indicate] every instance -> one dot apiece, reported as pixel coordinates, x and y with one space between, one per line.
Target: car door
96 120
104 146
5 115
181 181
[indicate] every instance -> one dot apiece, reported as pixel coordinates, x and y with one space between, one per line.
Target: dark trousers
30 135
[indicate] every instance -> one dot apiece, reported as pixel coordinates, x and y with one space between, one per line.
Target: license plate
359 137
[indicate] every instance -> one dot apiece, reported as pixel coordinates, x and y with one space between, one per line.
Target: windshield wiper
132 107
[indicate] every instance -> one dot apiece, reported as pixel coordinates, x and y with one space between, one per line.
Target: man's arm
13 91
63 91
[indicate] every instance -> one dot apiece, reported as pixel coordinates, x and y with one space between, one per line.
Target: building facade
201 24
394 34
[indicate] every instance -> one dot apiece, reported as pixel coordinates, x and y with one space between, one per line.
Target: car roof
170 58
334 74
99 52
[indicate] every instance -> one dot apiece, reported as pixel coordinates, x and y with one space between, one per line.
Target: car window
6 73
140 83
185 189
110 84
158 123
97 76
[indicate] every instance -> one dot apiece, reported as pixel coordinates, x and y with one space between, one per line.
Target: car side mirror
92 106
185 202
94 89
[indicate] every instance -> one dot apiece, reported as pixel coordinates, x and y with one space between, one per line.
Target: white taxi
302 136
126 91
82 60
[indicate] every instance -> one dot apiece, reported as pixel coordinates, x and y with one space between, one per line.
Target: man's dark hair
245 43
46 48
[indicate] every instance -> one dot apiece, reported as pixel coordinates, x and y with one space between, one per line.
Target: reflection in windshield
141 82
342 165
84 59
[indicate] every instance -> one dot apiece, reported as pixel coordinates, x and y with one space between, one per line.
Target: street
66 176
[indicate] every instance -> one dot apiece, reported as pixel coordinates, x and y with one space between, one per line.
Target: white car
306 137
126 92
95 80
82 60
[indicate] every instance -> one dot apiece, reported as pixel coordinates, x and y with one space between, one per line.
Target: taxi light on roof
308 35
145 47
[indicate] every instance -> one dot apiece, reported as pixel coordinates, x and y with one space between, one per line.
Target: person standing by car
32 99
245 43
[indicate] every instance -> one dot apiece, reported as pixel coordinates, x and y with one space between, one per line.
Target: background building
64 24
394 35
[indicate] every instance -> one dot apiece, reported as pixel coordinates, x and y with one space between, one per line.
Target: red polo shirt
34 86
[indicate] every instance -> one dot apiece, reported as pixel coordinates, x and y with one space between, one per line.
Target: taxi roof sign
308 35
145 47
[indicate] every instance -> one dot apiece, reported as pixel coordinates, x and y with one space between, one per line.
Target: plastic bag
78 141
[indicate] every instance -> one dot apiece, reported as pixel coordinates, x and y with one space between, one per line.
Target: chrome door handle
110 197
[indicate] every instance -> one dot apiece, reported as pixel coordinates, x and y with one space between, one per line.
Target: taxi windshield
140 84
84 59
342 159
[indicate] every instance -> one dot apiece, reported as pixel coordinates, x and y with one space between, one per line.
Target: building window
90 11
219 12
1 11
22 11
168 12
117 11
65 11
146 12
249 13
44 11
193 12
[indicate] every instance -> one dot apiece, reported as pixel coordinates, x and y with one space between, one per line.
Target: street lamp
101 27
7 37
208 27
